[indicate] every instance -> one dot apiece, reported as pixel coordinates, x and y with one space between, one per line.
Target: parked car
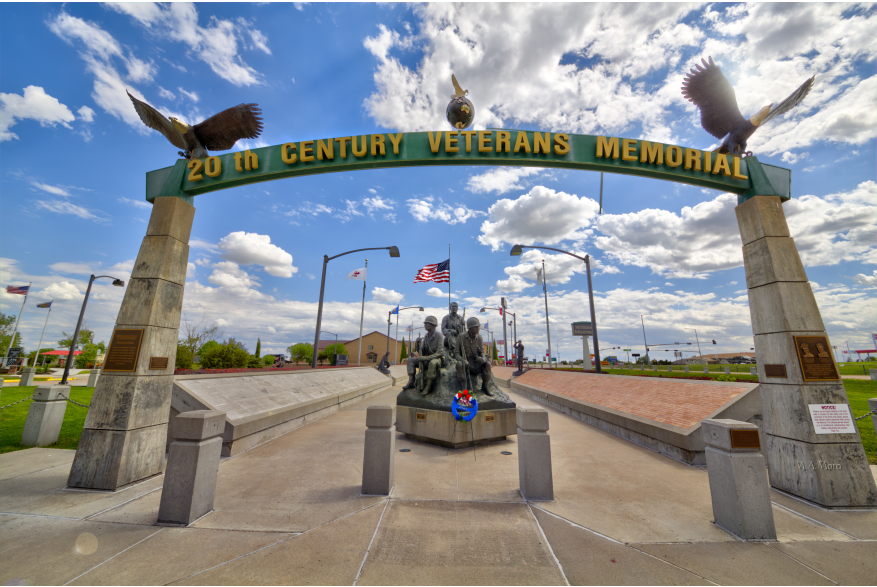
741 360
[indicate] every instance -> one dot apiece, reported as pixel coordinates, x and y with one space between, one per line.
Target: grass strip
12 419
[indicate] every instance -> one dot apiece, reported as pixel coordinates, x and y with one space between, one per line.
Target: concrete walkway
290 512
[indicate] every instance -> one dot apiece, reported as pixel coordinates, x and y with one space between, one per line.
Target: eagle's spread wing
458 90
711 91
796 98
221 131
155 119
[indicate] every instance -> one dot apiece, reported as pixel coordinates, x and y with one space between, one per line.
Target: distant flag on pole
17 289
437 272
357 274
45 305
396 311
539 276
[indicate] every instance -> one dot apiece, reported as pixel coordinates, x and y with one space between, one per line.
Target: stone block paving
676 402
289 512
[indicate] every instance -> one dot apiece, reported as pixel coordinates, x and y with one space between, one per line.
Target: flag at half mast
357 274
17 289
437 272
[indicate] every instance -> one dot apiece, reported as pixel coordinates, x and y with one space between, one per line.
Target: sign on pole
582 329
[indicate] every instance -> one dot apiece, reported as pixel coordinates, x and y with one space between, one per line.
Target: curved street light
117 283
389 323
505 342
394 252
516 252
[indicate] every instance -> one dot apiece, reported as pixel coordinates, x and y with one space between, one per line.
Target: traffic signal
714 342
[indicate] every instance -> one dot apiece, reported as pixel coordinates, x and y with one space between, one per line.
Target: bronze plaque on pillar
124 350
775 371
159 363
745 439
814 356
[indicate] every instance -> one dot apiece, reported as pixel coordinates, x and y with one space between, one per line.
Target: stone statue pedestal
428 418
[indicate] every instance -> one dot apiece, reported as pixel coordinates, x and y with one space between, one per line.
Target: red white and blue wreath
463 399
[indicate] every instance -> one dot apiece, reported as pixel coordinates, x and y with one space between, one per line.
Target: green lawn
856 368
858 392
12 419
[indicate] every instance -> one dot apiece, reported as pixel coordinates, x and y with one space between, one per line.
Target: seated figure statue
431 354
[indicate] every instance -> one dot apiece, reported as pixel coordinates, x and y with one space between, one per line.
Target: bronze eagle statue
218 133
708 88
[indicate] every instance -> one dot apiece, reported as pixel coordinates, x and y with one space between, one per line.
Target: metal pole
645 344
702 360
396 342
547 325
76 334
593 315
319 313
388 331
361 316
449 279
37 356
505 338
15 330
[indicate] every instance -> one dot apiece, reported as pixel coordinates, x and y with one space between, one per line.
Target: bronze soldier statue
430 359
473 354
452 328
519 355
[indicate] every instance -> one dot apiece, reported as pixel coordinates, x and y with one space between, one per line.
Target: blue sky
74 157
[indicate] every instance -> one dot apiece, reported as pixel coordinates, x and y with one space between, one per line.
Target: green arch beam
496 147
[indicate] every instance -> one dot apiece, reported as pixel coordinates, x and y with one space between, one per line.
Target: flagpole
547 325
15 330
449 278
361 316
39 346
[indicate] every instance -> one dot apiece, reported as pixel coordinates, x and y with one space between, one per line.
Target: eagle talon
746 154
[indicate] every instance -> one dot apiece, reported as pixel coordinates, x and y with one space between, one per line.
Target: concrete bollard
45 415
192 467
380 447
753 371
738 479
872 407
654 367
534 455
92 377
706 369
686 369
27 375
873 373
669 367
727 370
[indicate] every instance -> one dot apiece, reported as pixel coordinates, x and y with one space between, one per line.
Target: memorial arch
125 431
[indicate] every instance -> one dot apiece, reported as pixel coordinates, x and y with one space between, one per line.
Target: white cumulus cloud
436 292
432 208
501 179
33 104
379 294
249 248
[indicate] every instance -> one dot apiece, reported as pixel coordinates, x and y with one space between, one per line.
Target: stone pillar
192 466
534 455
706 369
872 407
738 481
92 378
686 368
829 469
727 370
752 371
873 373
124 436
27 375
45 415
586 353
380 446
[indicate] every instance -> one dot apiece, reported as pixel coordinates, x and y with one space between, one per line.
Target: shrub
185 357
333 349
229 355
301 352
268 359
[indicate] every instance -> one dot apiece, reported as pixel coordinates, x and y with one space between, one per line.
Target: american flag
437 272
17 289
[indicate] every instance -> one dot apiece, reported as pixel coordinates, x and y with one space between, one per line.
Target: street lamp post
518 249
117 283
389 323
645 344
702 360
394 252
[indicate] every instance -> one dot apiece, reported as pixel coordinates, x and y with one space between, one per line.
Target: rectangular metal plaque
814 356
775 371
156 363
489 417
420 416
124 350
745 439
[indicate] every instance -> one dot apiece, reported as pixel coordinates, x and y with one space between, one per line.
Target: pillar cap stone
532 419
717 434
199 425
380 416
49 393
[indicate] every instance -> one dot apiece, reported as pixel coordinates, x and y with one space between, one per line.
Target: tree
322 357
229 355
208 346
301 352
7 324
90 351
195 335
258 352
404 353
269 359
333 349
86 336
495 354
185 357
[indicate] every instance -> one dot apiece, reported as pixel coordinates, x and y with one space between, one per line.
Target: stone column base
126 456
831 475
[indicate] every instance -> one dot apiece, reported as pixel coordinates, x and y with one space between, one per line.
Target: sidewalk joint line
114 556
771 545
813 520
578 525
669 563
548 544
34 472
123 503
40 516
367 550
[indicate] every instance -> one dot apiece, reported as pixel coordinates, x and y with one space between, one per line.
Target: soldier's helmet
473 321
431 319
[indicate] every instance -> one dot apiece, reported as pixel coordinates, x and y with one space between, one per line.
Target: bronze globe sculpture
461 112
